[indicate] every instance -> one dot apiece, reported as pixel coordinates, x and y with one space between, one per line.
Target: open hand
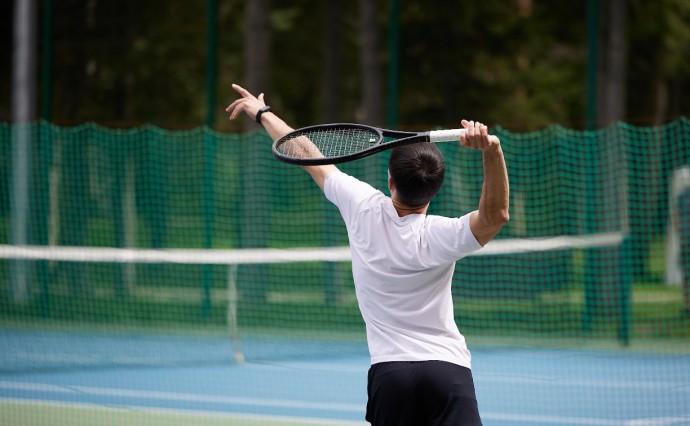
248 103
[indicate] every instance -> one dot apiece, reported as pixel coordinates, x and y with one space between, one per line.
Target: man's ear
391 185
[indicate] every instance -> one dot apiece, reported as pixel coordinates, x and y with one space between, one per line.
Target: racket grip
446 135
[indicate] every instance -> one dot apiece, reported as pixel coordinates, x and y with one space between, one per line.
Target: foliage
521 64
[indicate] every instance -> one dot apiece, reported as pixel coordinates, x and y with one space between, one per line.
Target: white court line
310 366
560 420
660 421
177 396
681 386
211 414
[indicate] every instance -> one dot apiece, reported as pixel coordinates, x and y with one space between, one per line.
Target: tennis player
403 262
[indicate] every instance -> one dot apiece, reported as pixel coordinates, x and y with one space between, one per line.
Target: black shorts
421 393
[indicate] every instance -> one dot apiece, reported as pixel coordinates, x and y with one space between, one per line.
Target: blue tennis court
311 381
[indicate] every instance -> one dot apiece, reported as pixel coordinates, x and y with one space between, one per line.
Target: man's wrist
260 112
493 149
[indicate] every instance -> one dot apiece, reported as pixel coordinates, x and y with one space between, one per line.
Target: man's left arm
492 213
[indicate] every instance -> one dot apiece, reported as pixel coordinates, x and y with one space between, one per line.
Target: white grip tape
446 135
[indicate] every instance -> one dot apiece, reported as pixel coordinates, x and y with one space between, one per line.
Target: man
403 263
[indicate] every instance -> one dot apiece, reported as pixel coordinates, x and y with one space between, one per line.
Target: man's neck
404 209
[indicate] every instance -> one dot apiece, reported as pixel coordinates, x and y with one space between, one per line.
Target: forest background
523 64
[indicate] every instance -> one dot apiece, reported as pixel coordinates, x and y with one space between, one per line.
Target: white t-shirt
402 268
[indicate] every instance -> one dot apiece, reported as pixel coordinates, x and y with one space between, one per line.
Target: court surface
515 386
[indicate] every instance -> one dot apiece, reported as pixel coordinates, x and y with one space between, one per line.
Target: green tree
520 63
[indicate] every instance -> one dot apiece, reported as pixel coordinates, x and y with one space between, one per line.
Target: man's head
417 172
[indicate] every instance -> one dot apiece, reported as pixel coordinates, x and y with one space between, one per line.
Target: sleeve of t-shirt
347 193
450 239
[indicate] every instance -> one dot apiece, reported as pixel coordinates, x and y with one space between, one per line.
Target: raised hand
248 103
477 136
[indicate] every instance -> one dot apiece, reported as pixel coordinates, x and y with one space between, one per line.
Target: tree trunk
612 62
660 102
370 110
257 42
331 62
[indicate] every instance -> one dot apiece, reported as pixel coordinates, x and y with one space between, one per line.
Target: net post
208 207
42 225
625 290
233 326
20 207
590 278
117 156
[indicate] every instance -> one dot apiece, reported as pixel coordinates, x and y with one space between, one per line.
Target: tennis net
303 294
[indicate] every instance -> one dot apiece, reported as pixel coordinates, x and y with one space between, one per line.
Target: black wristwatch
261 111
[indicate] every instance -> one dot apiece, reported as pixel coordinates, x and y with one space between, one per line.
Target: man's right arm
275 127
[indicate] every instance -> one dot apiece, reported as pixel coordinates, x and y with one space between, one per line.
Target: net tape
275 255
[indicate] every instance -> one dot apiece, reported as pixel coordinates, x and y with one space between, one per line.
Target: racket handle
446 135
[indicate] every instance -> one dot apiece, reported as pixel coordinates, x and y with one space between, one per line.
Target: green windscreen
146 248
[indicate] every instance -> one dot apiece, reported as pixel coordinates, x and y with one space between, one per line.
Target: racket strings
327 143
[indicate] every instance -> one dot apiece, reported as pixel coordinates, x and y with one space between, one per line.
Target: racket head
327 144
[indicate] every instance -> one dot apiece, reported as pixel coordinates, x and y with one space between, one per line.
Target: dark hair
417 171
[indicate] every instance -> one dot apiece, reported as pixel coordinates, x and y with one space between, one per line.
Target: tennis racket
340 143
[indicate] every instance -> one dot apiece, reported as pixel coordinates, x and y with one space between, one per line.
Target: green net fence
590 258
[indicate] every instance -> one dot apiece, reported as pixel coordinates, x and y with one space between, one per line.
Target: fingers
247 103
236 108
472 126
241 90
234 104
474 129
476 136
236 111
